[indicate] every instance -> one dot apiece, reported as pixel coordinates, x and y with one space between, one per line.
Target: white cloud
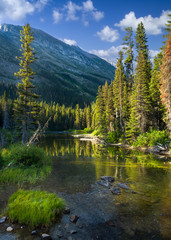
98 15
71 9
153 25
57 16
15 9
108 34
40 4
75 12
88 6
70 42
110 54
18 9
153 53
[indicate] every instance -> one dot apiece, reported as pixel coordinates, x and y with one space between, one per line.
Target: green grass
27 164
34 208
20 175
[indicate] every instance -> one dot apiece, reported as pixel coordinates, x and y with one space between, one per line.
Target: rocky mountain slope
64 73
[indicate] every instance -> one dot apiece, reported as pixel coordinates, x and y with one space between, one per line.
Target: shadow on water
78 165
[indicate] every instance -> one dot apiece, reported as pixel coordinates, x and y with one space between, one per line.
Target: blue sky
96 26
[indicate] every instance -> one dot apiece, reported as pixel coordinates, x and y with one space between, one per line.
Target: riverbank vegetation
34 208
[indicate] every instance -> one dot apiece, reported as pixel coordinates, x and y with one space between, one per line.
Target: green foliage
113 137
34 208
96 133
26 156
151 138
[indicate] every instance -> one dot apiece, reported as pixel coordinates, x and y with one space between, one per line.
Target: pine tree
99 124
140 100
25 106
77 117
119 91
128 46
154 89
166 82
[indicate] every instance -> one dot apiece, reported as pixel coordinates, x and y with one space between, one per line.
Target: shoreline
97 140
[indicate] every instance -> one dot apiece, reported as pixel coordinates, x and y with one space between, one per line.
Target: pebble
9 229
46 237
73 231
74 218
66 210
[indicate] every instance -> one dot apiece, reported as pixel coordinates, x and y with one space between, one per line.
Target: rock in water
116 190
104 183
108 178
74 218
2 219
10 229
46 237
123 185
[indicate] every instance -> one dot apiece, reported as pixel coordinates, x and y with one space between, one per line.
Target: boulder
104 183
66 210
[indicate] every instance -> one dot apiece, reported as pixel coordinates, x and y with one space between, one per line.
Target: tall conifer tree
25 107
140 100
166 82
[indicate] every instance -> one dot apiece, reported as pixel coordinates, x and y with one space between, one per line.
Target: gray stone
123 185
2 219
9 229
108 178
116 190
59 234
46 237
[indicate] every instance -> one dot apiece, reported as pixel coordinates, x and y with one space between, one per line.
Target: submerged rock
46 237
116 190
2 219
108 178
123 185
74 218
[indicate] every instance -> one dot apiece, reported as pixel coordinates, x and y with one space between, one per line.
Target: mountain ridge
65 74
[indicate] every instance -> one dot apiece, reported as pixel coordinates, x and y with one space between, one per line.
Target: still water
78 165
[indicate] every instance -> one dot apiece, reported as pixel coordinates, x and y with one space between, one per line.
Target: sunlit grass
34 208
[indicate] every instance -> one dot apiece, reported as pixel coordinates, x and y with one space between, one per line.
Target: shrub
25 156
151 138
112 137
34 208
20 164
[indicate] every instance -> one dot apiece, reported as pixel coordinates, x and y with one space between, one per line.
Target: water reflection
79 164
